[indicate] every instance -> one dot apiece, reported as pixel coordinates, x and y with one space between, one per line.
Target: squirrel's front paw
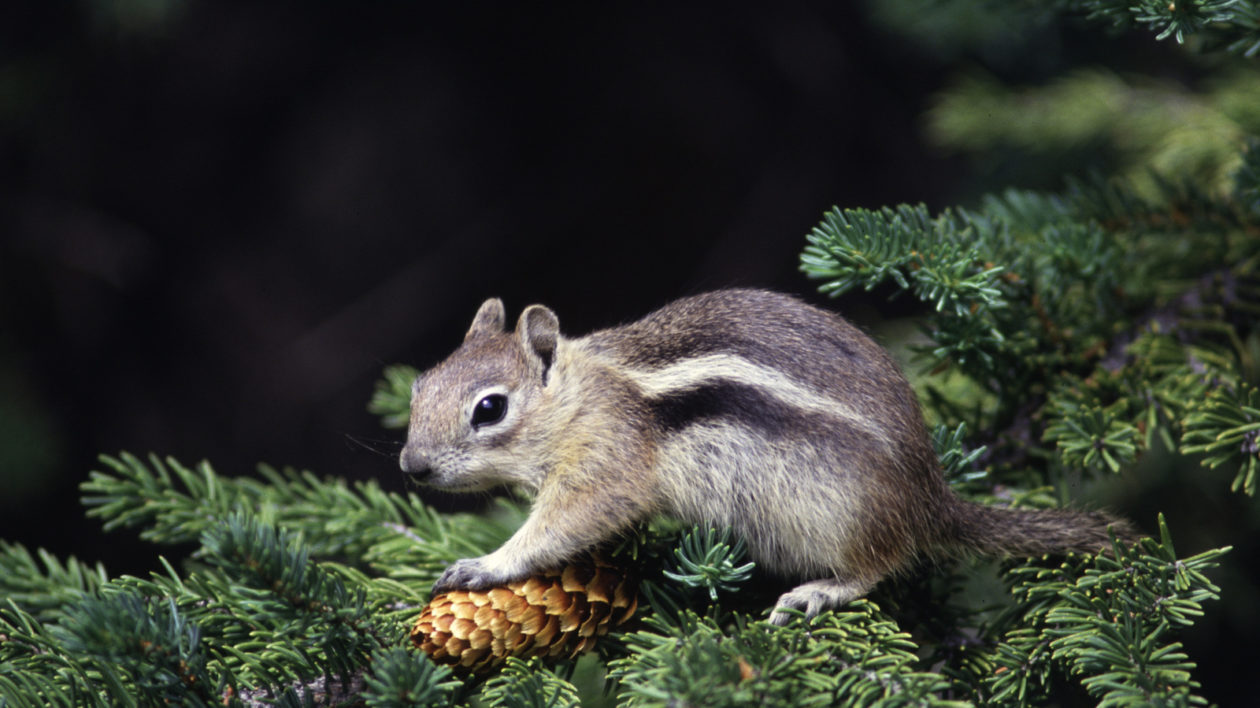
468 574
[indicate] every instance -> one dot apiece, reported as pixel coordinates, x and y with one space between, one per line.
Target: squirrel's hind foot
816 596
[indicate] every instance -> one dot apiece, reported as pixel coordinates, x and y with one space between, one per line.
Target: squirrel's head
467 412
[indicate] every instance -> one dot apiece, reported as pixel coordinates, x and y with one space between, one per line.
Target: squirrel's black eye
490 409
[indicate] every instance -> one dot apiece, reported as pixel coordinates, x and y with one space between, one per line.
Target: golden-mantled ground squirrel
738 408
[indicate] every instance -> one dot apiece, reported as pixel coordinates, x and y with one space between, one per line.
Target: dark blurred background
219 221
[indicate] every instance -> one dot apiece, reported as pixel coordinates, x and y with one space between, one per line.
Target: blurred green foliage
1142 127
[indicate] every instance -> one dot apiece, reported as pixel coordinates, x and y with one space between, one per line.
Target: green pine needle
1110 621
392 397
528 684
403 679
1226 429
956 461
707 559
140 647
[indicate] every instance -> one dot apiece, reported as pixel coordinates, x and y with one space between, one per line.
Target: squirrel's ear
538 329
489 319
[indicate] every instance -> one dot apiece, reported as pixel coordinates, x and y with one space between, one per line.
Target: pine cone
558 613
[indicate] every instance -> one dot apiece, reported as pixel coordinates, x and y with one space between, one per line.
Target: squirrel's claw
467 574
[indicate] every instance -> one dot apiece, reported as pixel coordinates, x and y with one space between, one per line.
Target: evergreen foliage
706 559
1097 622
529 684
1132 125
1099 330
1067 335
392 396
855 656
1233 25
398 680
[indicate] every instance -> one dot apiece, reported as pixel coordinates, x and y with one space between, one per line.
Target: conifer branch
176 504
707 558
43 586
391 399
401 679
1233 25
529 684
1226 428
1108 620
854 656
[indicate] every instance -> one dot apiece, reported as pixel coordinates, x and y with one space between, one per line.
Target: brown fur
741 408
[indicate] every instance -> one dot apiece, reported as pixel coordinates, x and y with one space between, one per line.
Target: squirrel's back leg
819 595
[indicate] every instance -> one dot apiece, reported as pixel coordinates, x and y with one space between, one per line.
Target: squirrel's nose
415 463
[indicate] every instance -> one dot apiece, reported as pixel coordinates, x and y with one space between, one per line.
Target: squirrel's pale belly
794 506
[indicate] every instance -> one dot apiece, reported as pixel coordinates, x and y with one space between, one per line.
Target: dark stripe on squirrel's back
725 401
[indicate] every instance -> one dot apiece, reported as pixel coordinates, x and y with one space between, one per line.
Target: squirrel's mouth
446 482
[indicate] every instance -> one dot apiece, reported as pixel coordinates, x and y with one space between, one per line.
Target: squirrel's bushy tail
1000 531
